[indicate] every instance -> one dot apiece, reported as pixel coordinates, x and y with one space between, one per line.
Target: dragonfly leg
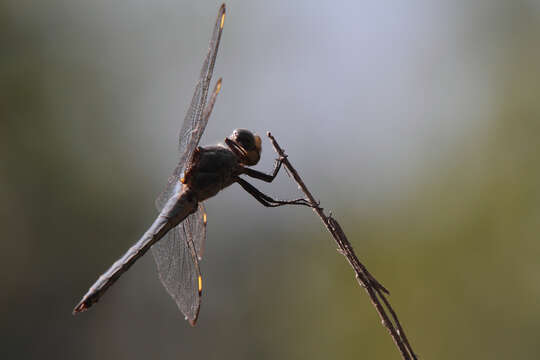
262 176
267 200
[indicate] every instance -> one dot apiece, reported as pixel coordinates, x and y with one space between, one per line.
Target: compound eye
247 143
258 144
244 138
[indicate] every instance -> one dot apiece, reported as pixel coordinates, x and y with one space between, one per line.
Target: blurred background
416 123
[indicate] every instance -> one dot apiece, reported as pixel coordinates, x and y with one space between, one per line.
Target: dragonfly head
247 145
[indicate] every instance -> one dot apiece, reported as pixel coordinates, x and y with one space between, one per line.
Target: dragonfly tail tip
81 307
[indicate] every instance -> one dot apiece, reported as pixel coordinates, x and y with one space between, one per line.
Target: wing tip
221 15
193 321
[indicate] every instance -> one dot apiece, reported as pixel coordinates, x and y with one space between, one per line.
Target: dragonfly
178 234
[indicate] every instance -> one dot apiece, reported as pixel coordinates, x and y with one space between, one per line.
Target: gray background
415 122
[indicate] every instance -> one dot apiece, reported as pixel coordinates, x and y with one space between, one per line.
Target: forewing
176 256
197 116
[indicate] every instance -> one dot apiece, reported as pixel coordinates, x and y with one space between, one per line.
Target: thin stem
375 290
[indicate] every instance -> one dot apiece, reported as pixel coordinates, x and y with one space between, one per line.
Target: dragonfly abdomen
179 206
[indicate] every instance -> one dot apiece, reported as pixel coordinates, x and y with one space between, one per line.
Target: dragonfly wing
198 226
176 256
197 114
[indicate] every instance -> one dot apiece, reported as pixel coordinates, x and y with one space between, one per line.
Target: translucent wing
177 257
177 254
197 114
198 227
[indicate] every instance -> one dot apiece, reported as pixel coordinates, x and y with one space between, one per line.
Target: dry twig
375 290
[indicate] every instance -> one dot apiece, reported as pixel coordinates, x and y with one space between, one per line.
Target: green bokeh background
436 184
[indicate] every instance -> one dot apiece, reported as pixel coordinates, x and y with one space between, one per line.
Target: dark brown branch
375 290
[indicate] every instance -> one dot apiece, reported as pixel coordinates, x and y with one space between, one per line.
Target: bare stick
375 290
